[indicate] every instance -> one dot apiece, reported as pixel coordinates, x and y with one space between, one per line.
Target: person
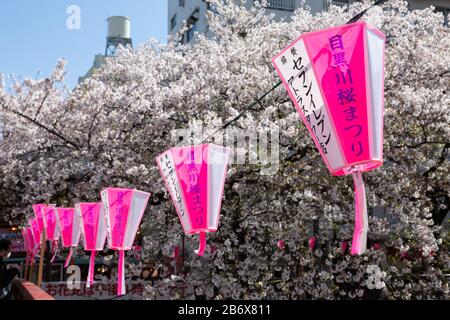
6 275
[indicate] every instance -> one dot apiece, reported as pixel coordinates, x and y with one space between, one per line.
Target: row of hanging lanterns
335 78
117 217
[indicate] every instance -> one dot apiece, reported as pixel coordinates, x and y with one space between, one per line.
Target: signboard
108 290
17 244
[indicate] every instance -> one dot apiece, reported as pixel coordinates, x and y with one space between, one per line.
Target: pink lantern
39 213
26 244
35 231
176 252
34 237
377 246
70 230
93 228
195 178
312 243
335 77
32 244
344 245
25 239
52 228
281 245
124 211
29 244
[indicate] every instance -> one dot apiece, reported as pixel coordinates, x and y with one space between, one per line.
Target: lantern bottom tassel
359 243
90 280
54 250
121 274
202 245
33 255
69 256
27 258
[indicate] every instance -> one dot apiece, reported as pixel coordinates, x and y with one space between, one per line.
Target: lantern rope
249 107
258 100
263 96
360 206
361 223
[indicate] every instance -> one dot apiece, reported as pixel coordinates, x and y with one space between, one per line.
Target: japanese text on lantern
104 196
195 190
301 85
346 93
117 229
67 221
89 219
170 175
294 68
50 217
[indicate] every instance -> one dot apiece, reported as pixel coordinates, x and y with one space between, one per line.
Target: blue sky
34 34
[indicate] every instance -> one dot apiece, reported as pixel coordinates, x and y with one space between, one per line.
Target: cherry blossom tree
63 146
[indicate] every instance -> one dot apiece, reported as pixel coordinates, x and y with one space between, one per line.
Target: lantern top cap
39 205
87 203
125 190
363 23
194 146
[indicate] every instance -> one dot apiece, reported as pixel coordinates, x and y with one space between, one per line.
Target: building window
193 26
211 7
288 5
339 3
191 32
173 22
445 12
181 3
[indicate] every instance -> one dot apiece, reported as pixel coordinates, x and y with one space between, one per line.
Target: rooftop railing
287 5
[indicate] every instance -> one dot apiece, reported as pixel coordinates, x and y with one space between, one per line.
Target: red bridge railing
24 290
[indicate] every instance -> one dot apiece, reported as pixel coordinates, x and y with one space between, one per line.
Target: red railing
24 290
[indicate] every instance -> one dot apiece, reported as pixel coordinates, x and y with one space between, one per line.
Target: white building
194 11
99 61
119 34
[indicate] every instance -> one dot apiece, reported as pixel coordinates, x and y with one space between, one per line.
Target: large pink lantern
69 225
195 178
335 77
93 227
124 211
51 227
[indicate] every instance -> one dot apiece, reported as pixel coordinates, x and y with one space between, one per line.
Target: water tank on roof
119 27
